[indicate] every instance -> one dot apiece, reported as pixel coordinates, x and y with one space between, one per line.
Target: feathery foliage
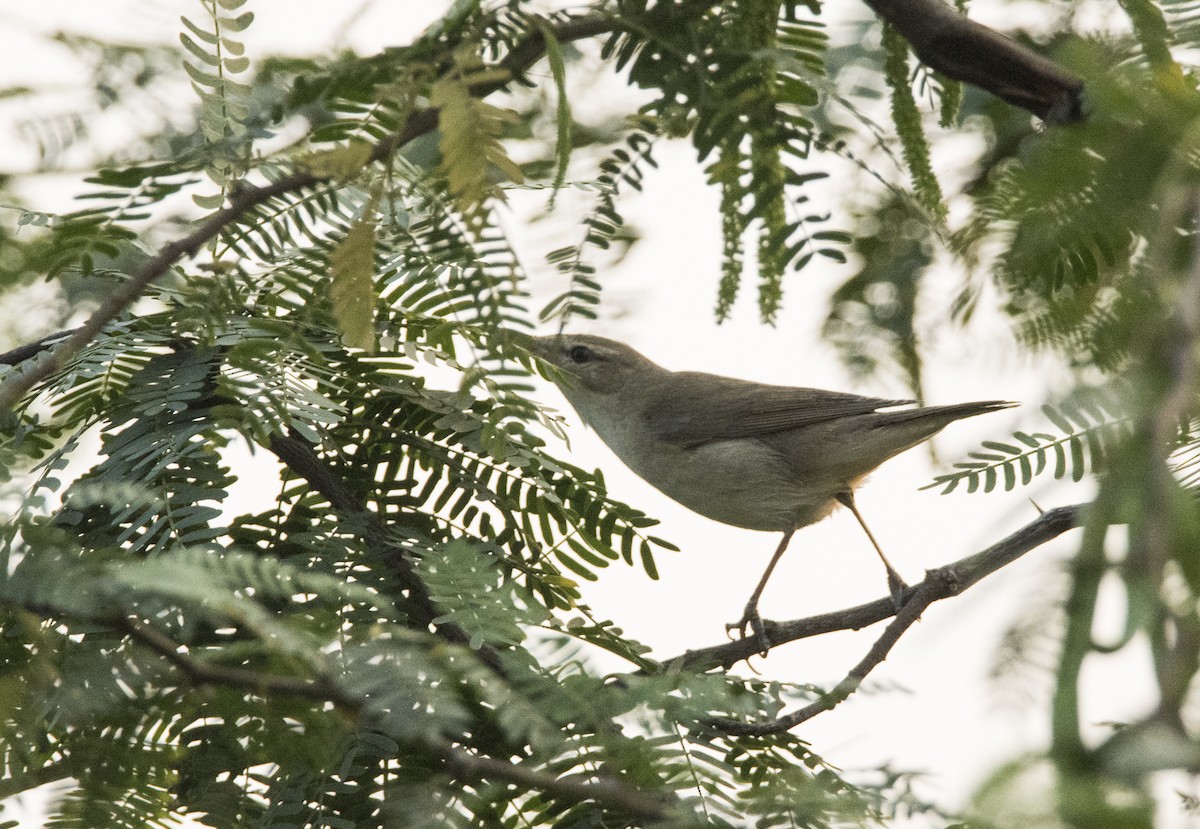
1090 428
285 540
746 102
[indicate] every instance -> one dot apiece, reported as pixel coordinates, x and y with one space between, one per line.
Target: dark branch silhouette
967 571
299 456
958 47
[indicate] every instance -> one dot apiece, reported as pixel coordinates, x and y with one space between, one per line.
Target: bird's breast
741 482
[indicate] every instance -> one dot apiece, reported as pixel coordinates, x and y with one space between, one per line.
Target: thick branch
961 574
967 51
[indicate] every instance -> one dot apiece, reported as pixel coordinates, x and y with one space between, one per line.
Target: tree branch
960 48
299 456
204 673
607 791
18 383
941 37
940 583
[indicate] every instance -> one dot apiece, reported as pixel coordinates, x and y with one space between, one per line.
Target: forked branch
940 583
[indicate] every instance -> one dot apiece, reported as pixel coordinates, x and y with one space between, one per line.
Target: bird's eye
581 354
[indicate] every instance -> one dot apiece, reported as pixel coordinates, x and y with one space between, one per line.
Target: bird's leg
896 584
750 618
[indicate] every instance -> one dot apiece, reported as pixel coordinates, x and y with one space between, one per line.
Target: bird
762 457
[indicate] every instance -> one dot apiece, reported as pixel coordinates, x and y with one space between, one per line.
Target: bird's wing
690 409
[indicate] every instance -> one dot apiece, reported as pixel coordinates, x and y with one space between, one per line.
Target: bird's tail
949 413
904 428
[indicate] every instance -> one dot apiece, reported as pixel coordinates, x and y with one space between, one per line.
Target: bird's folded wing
689 408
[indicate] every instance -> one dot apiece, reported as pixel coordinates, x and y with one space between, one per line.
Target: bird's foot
751 621
897 587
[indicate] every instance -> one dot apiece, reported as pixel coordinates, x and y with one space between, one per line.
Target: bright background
932 707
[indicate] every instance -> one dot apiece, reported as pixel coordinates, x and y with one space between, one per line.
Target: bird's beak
542 347
546 348
549 351
517 338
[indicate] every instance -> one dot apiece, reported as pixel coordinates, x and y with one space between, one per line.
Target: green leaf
470 145
1058 420
206 36
204 79
209 202
236 24
907 117
198 51
558 70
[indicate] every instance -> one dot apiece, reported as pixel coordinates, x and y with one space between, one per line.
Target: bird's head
591 365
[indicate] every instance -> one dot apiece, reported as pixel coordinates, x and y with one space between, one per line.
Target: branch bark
203 673
940 583
299 456
960 48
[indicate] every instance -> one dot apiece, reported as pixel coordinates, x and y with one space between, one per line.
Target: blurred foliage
390 632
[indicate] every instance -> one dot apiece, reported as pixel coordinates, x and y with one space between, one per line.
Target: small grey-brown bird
758 456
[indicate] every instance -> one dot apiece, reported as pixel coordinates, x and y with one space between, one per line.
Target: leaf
470 145
208 202
339 162
352 285
202 78
558 70
237 24
206 36
196 50
913 143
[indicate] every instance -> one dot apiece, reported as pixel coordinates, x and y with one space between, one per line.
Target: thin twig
938 584
48 362
959 575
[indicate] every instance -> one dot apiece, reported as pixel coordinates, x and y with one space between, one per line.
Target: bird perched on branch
758 456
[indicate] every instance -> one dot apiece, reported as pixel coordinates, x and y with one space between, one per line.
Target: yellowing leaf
470 144
486 77
340 162
353 286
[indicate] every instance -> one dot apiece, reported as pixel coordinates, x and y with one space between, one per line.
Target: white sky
940 714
